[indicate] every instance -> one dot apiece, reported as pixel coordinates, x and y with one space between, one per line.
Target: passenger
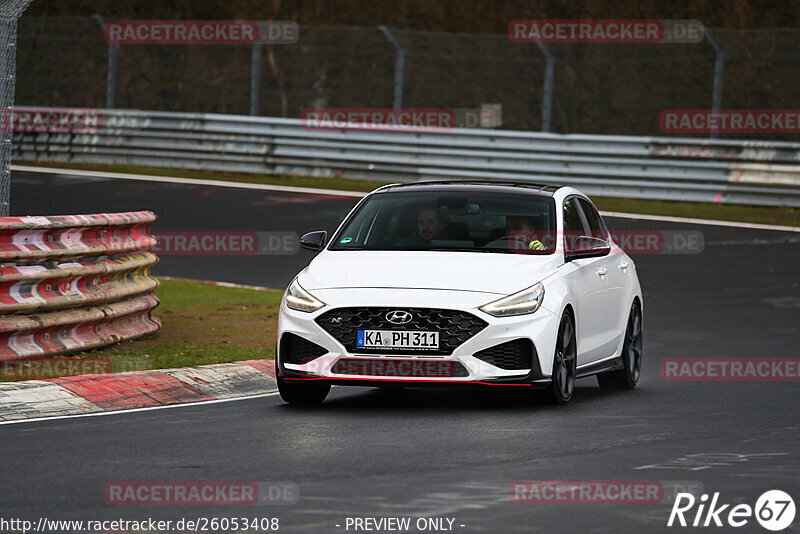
521 229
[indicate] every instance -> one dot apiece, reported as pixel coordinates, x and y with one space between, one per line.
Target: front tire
627 377
565 361
302 393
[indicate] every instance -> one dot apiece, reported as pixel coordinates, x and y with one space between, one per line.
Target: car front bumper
337 364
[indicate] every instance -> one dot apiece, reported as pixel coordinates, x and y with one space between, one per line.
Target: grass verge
784 216
201 324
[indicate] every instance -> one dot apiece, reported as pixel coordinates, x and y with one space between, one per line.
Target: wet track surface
183 208
439 453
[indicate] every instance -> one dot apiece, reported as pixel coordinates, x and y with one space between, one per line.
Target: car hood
461 271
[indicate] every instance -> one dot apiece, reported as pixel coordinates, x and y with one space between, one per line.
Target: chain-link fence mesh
10 11
599 88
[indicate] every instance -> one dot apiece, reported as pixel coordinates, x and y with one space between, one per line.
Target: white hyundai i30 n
457 283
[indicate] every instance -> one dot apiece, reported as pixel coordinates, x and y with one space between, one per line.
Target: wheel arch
637 300
569 310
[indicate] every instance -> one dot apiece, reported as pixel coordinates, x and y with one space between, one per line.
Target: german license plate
397 339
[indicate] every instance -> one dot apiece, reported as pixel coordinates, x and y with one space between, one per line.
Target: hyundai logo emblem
399 317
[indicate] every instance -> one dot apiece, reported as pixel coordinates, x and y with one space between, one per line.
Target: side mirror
314 240
588 247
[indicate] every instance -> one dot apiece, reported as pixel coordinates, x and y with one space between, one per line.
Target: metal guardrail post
111 78
399 67
719 71
10 11
111 85
255 78
549 76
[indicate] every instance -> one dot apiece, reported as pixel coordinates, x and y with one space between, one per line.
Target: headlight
526 301
299 299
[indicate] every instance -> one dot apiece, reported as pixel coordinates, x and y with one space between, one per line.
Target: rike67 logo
774 510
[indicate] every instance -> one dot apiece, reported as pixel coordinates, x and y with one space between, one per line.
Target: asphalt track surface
422 453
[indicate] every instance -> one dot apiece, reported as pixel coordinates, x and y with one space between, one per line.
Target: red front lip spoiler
379 381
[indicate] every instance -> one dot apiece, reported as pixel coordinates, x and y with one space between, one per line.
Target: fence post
10 11
399 67
255 78
111 78
719 71
547 97
111 88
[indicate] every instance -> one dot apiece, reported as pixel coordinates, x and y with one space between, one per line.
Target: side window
573 226
597 227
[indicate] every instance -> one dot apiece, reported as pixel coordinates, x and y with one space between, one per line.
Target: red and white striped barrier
50 305
31 239
33 288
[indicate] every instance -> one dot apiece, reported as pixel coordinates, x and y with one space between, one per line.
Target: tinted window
596 225
572 219
573 226
451 220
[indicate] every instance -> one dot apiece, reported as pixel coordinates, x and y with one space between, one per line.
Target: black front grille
454 327
418 368
295 349
516 354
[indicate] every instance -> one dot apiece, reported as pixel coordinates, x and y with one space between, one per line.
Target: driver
430 225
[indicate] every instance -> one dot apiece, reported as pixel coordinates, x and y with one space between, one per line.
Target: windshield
509 223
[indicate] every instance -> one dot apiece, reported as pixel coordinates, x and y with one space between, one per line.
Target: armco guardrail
703 170
76 282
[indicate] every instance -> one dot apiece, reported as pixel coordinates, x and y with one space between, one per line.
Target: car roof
461 185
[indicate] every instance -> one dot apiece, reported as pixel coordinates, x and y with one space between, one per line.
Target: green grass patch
178 294
784 216
201 324
133 356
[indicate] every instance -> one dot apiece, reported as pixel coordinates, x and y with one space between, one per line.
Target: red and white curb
87 394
